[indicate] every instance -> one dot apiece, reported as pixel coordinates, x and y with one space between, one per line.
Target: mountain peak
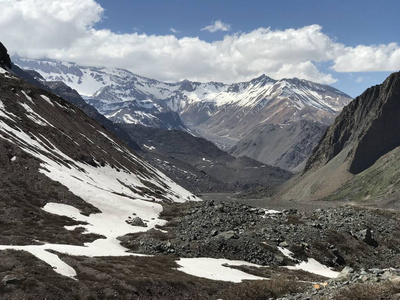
186 85
263 78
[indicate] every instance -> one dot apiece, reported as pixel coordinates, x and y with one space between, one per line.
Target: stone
137 222
396 296
228 235
283 244
13 279
395 279
345 274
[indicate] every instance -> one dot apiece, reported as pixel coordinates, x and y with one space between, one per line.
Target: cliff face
357 157
369 125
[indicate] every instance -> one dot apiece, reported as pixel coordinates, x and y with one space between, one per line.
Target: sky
350 45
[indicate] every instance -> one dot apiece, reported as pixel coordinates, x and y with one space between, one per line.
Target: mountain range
222 113
193 162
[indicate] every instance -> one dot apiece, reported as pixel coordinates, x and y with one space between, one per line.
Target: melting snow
149 147
105 188
27 97
216 269
311 265
31 114
47 99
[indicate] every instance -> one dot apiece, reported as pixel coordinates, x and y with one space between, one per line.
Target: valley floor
272 203
301 206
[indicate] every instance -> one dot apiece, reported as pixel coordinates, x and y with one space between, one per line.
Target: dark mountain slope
370 124
72 96
359 143
5 60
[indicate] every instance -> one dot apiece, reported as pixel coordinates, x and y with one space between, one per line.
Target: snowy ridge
110 90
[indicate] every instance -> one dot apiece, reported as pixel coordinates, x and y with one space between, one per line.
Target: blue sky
351 22
363 22
349 44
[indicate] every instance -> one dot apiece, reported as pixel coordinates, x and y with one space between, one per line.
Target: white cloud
63 29
217 26
45 25
360 79
369 58
174 30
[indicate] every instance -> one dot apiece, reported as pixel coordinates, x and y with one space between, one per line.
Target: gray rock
346 274
228 235
13 279
283 244
137 222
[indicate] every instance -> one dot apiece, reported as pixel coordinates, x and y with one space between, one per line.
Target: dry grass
366 291
262 289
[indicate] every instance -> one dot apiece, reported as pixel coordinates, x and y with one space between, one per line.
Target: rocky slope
287 146
222 113
336 237
175 149
359 143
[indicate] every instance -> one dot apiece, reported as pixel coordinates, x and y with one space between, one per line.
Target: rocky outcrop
4 57
369 125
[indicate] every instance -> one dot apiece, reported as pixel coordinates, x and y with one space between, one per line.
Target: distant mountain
287 146
182 168
358 156
222 113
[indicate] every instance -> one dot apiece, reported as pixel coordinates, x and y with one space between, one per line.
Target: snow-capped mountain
220 112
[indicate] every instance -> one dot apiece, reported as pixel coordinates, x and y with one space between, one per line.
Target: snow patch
27 97
47 99
31 114
311 265
216 269
149 147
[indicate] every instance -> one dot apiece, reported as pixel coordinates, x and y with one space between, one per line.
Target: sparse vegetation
261 289
368 291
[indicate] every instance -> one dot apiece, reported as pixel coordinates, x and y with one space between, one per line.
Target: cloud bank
63 29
